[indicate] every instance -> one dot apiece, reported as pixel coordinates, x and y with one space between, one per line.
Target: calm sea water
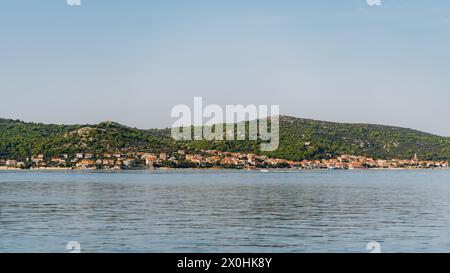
225 211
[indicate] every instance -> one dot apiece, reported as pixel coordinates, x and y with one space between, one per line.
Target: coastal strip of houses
208 159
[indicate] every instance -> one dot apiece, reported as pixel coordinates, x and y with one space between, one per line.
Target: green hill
20 139
311 139
299 139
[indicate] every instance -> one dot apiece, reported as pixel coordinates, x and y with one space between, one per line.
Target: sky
132 61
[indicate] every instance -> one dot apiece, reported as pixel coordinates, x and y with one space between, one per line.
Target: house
79 156
2 162
251 161
355 165
108 162
163 156
128 162
213 160
11 163
241 162
382 164
36 159
58 160
331 161
196 160
150 159
228 161
318 165
277 161
263 158
237 155
86 163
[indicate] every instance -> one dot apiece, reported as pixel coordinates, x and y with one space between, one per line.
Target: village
208 159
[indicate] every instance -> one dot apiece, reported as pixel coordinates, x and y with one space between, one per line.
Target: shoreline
59 169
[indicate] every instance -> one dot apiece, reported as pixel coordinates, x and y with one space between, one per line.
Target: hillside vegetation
299 139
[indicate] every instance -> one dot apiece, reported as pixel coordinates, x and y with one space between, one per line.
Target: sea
229 211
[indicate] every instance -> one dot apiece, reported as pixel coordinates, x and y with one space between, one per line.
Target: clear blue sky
132 61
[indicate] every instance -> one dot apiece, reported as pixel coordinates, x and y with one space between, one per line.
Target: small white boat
264 171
